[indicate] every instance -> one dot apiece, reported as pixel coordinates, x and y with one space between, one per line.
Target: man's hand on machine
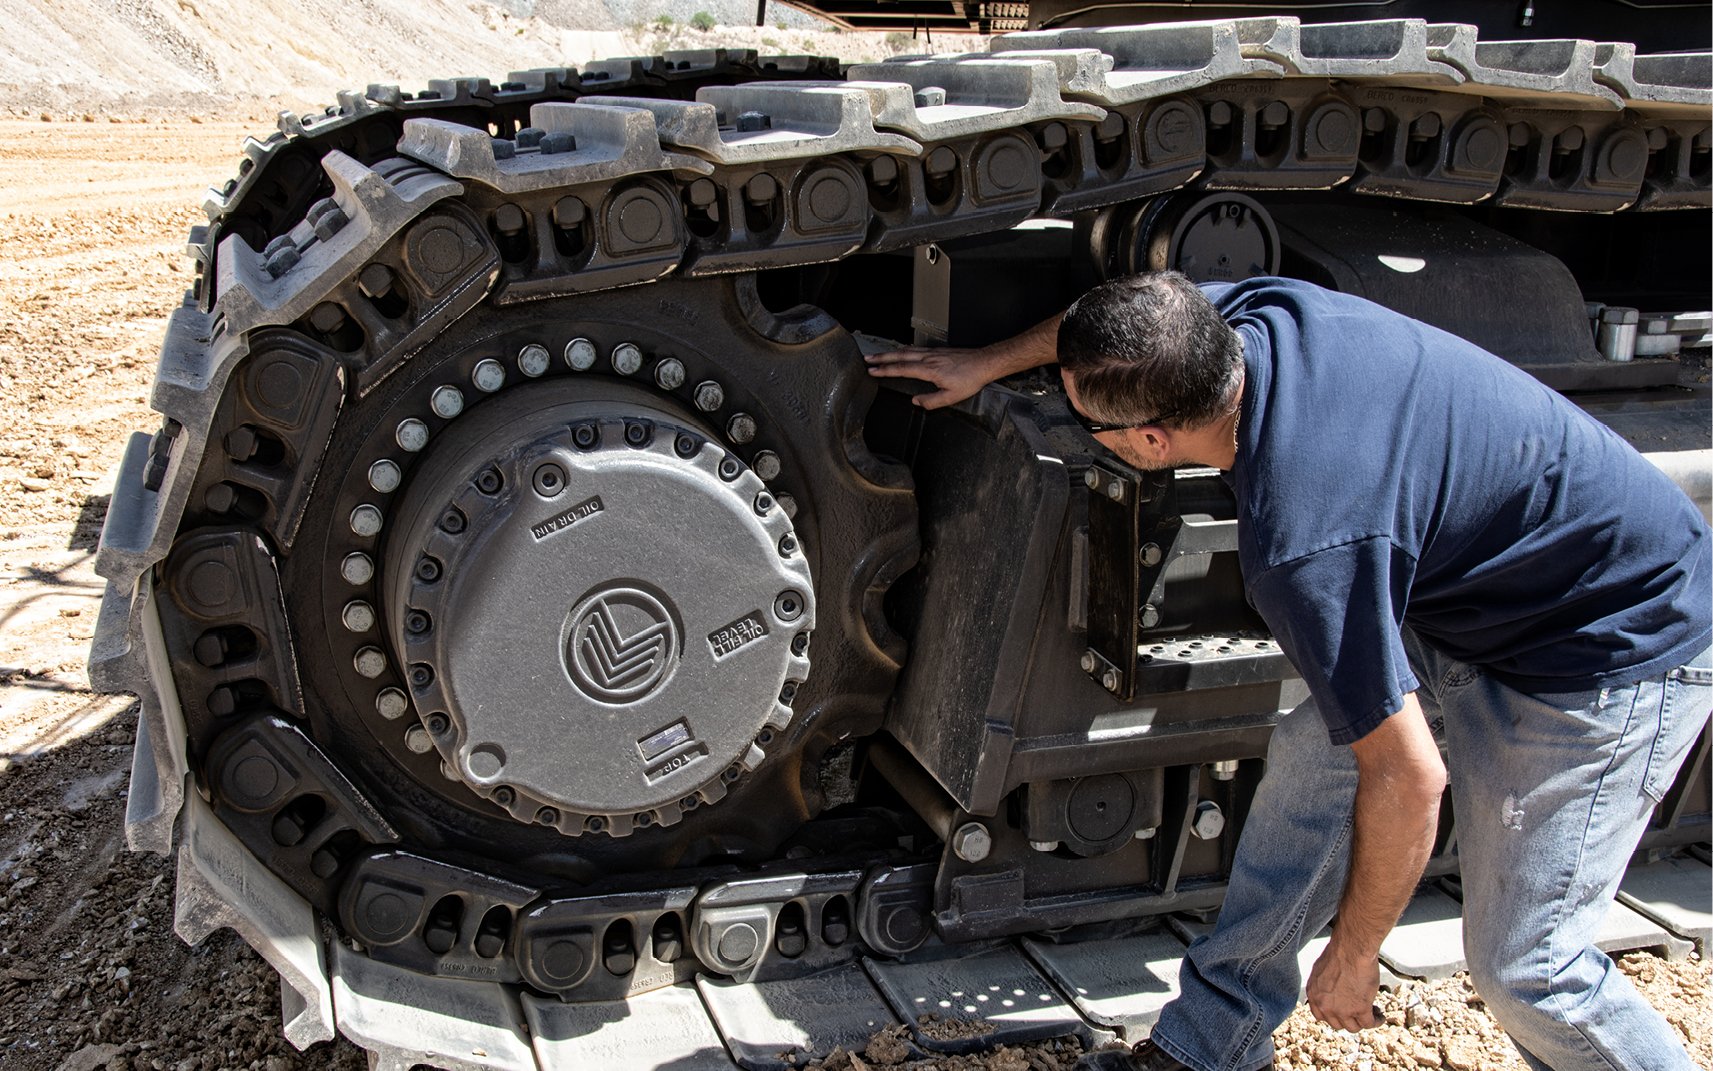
958 373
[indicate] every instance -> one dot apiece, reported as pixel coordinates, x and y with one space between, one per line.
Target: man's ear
1152 442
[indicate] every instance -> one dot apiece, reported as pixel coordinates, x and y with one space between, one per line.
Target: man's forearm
1396 811
1031 349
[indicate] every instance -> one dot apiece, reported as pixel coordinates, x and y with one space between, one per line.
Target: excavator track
411 269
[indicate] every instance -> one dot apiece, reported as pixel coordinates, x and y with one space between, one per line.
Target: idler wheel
616 616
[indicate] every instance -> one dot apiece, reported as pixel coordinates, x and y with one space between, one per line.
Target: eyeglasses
1095 427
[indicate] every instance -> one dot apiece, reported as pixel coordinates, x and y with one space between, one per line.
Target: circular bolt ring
422 675
685 446
763 504
504 796
585 436
787 545
729 468
637 433
452 522
437 724
489 481
788 606
548 480
596 823
731 774
547 816
416 622
428 570
689 803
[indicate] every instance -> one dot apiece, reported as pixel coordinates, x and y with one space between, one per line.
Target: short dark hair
1150 345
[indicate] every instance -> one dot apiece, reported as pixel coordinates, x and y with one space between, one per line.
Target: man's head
1150 351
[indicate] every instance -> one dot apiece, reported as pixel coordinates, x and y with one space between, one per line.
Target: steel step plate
1676 893
770 1025
999 990
1120 984
666 1028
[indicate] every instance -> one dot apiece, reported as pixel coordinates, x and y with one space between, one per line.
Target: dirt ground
92 219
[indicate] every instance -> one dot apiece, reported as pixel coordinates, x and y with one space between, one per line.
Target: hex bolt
417 740
741 428
220 498
709 396
241 443
438 724
547 816
580 354
1150 615
568 212
416 622
750 122
357 568
788 503
930 97
369 662
1426 127
971 842
489 375
761 189
763 504
375 281
1151 554
447 401
366 521
703 193
326 218
627 359
766 465
548 479
509 219
385 476
730 467
800 644
530 137
1146 834
1569 139
504 796
1110 680
327 317
1373 120
358 616
669 374
788 606
1044 845
586 436
596 824
411 434
282 260
942 161
532 360
1053 137
788 693
1219 113
1223 770
787 545
427 570
448 772
637 433
1209 821
1275 114
1091 479
1089 662
222 702
503 150
391 703
1115 491
883 170
685 446
210 649
1519 134
489 481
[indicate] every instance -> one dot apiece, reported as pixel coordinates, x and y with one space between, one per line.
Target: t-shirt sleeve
1337 614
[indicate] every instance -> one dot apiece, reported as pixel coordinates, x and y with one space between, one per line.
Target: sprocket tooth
981 93
607 144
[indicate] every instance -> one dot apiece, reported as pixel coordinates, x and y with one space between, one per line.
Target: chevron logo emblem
622 645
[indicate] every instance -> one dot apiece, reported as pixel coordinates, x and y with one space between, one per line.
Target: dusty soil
92 218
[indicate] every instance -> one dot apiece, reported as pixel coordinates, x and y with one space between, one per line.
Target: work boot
1146 1056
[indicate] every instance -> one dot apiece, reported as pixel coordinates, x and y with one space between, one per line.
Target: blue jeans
1551 793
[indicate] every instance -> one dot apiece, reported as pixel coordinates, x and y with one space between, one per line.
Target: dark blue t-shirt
1390 474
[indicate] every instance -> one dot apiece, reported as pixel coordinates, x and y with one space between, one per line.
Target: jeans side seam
1290 934
1596 804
